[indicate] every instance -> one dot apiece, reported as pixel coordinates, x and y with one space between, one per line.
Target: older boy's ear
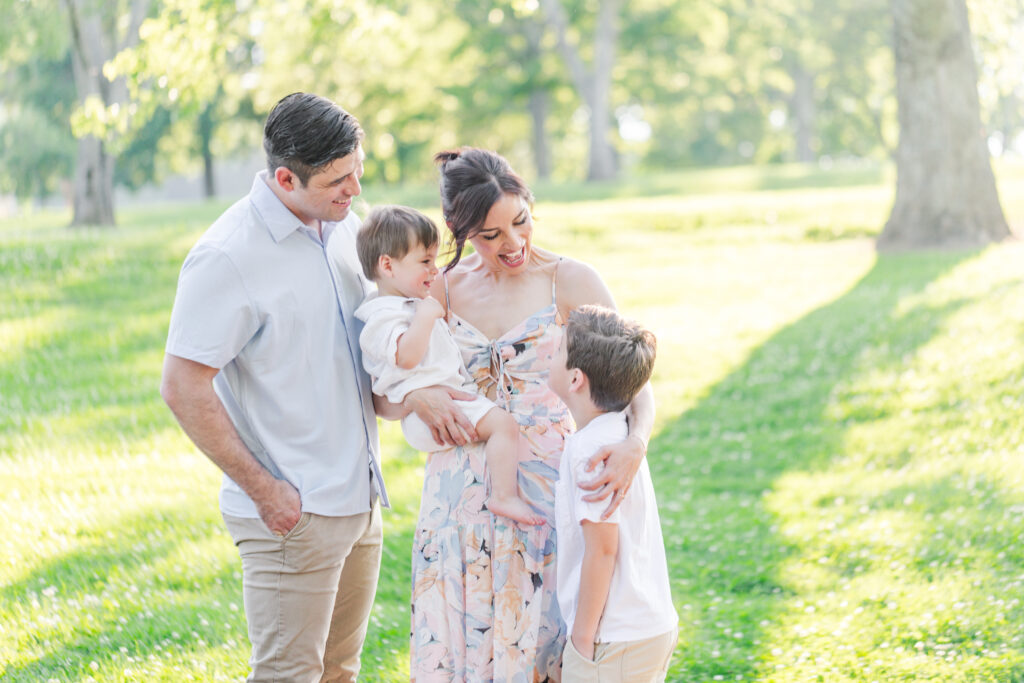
578 381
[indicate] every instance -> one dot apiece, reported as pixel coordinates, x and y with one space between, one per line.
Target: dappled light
836 454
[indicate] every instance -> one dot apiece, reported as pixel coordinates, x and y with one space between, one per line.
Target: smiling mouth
515 259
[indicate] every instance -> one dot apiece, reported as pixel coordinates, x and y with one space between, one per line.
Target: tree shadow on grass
765 419
122 593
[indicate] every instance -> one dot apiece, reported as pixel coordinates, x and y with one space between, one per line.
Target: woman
483 587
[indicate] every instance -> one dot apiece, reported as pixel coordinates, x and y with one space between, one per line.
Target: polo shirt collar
279 219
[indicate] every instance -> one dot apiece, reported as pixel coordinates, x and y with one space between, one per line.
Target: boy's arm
413 343
602 544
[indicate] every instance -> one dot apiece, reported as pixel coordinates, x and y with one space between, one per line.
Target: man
263 372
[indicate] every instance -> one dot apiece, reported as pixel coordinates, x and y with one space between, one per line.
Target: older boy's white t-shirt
639 601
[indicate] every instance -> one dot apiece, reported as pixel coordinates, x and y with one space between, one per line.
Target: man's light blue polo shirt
264 300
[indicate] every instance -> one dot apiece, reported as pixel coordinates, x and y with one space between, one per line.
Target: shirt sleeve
379 340
589 511
213 316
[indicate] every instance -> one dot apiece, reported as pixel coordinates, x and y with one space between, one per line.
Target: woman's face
504 240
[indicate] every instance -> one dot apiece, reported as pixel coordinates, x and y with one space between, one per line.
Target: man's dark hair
305 133
394 231
616 355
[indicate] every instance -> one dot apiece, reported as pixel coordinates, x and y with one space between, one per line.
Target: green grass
837 455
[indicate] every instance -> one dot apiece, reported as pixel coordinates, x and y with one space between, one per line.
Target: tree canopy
556 85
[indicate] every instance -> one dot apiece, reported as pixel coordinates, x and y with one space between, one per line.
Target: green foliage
719 83
37 97
836 455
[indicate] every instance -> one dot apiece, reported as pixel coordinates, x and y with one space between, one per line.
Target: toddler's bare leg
501 433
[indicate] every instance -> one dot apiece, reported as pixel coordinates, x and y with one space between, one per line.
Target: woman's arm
622 460
579 284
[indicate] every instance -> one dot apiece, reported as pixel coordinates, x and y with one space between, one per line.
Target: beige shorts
635 661
417 433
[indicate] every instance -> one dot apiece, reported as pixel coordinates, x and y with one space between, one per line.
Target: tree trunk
94 40
206 125
93 202
945 190
603 163
594 87
541 147
803 112
539 104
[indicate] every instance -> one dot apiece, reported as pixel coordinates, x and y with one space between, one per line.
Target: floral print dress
483 587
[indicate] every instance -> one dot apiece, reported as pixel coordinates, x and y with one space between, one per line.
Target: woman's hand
437 408
621 462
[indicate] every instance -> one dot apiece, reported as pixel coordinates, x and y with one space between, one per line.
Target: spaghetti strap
447 299
554 280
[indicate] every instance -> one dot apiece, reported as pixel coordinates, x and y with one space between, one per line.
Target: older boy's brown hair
616 355
394 231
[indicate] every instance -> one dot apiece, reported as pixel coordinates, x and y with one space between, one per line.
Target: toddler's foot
515 508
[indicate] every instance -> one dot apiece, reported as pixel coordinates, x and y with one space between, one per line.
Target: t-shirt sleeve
589 511
379 339
213 316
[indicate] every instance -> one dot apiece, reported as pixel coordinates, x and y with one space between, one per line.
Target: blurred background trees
565 88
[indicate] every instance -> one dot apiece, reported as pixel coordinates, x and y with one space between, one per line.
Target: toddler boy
407 345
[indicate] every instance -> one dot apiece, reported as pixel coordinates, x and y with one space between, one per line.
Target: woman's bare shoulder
578 283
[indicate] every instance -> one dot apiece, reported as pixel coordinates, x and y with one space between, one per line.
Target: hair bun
442 158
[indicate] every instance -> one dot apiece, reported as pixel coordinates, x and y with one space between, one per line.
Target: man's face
327 195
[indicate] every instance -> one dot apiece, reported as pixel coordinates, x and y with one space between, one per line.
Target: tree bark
206 126
94 40
541 147
945 189
803 108
539 103
93 202
593 86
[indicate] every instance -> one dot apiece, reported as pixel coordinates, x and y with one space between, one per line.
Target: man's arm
602 545
187 387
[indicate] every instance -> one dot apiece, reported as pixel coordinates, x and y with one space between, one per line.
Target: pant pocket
572 653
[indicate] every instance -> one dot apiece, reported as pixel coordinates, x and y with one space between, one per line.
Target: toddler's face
413 274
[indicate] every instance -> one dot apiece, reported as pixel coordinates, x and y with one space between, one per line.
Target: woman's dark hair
305 133
472 181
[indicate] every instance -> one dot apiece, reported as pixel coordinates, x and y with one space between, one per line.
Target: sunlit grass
837 453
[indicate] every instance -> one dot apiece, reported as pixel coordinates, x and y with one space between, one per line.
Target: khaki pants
308 594
635 661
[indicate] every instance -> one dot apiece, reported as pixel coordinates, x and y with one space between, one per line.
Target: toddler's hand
429 307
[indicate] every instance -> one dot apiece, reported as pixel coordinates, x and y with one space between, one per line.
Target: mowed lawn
838 454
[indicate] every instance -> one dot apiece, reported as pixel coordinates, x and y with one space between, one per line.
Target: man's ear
286 179
384 265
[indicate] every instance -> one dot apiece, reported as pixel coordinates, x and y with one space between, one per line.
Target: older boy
613 586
